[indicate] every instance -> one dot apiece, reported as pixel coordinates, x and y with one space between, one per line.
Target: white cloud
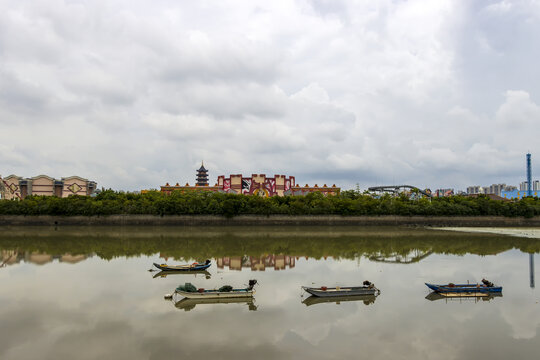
133 95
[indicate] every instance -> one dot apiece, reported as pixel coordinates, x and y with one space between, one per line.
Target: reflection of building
10 257
257 184
277 262
16 187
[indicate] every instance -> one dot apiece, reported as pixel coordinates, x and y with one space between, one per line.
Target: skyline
135 94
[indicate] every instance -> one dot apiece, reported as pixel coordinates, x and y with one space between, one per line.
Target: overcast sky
134 94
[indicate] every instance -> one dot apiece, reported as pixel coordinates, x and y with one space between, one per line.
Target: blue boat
192 267
484 287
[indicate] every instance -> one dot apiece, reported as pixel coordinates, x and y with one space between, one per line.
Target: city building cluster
256 184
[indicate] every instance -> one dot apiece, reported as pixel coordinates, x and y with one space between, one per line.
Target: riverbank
271 220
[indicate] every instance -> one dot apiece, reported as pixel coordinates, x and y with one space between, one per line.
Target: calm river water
86 293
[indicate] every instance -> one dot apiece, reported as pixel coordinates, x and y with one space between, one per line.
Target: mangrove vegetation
348 203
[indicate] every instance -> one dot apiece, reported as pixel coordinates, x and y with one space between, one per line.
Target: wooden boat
484 287
189 304
217 294
192 267
323 291
314 300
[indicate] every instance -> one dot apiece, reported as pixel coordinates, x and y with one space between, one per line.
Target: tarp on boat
187 287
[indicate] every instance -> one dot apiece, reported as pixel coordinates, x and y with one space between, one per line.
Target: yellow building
16 187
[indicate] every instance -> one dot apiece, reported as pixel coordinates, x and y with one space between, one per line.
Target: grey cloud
392 91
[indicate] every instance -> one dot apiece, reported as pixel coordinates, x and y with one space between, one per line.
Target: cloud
133 96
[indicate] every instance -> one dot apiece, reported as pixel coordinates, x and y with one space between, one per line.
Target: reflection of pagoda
202 176
255 263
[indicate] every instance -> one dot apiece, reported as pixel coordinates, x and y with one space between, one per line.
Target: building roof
202 168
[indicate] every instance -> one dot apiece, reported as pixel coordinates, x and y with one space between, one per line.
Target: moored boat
188 267
191 292
366 289
484 287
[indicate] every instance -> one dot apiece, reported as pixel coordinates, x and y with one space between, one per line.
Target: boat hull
181 268
341 291
214 294
434 296
464 288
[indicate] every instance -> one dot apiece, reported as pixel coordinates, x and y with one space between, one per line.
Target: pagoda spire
202 176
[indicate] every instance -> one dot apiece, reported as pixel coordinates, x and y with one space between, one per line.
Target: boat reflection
189 304
164 274
313 300
476 297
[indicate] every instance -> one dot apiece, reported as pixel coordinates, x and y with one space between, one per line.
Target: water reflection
108 306
313 300
531 270
189 304
164 274
12 257
257 263
248 246
434 296
399 258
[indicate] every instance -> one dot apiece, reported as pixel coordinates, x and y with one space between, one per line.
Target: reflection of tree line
226 242
10 257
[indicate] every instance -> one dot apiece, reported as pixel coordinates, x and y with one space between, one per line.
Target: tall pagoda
202 176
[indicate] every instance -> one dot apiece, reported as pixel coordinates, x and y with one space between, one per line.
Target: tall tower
202 176
529 175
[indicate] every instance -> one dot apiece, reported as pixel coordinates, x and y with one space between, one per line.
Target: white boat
191 292
366 289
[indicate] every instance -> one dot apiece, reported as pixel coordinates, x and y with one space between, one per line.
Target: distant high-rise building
474 190
536 185
523 186
496 189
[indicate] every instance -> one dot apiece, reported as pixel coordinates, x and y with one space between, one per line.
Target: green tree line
348 203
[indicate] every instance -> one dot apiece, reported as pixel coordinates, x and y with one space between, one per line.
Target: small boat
485 287
366 289
313 300
190 292
192 267
164 274
189 304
